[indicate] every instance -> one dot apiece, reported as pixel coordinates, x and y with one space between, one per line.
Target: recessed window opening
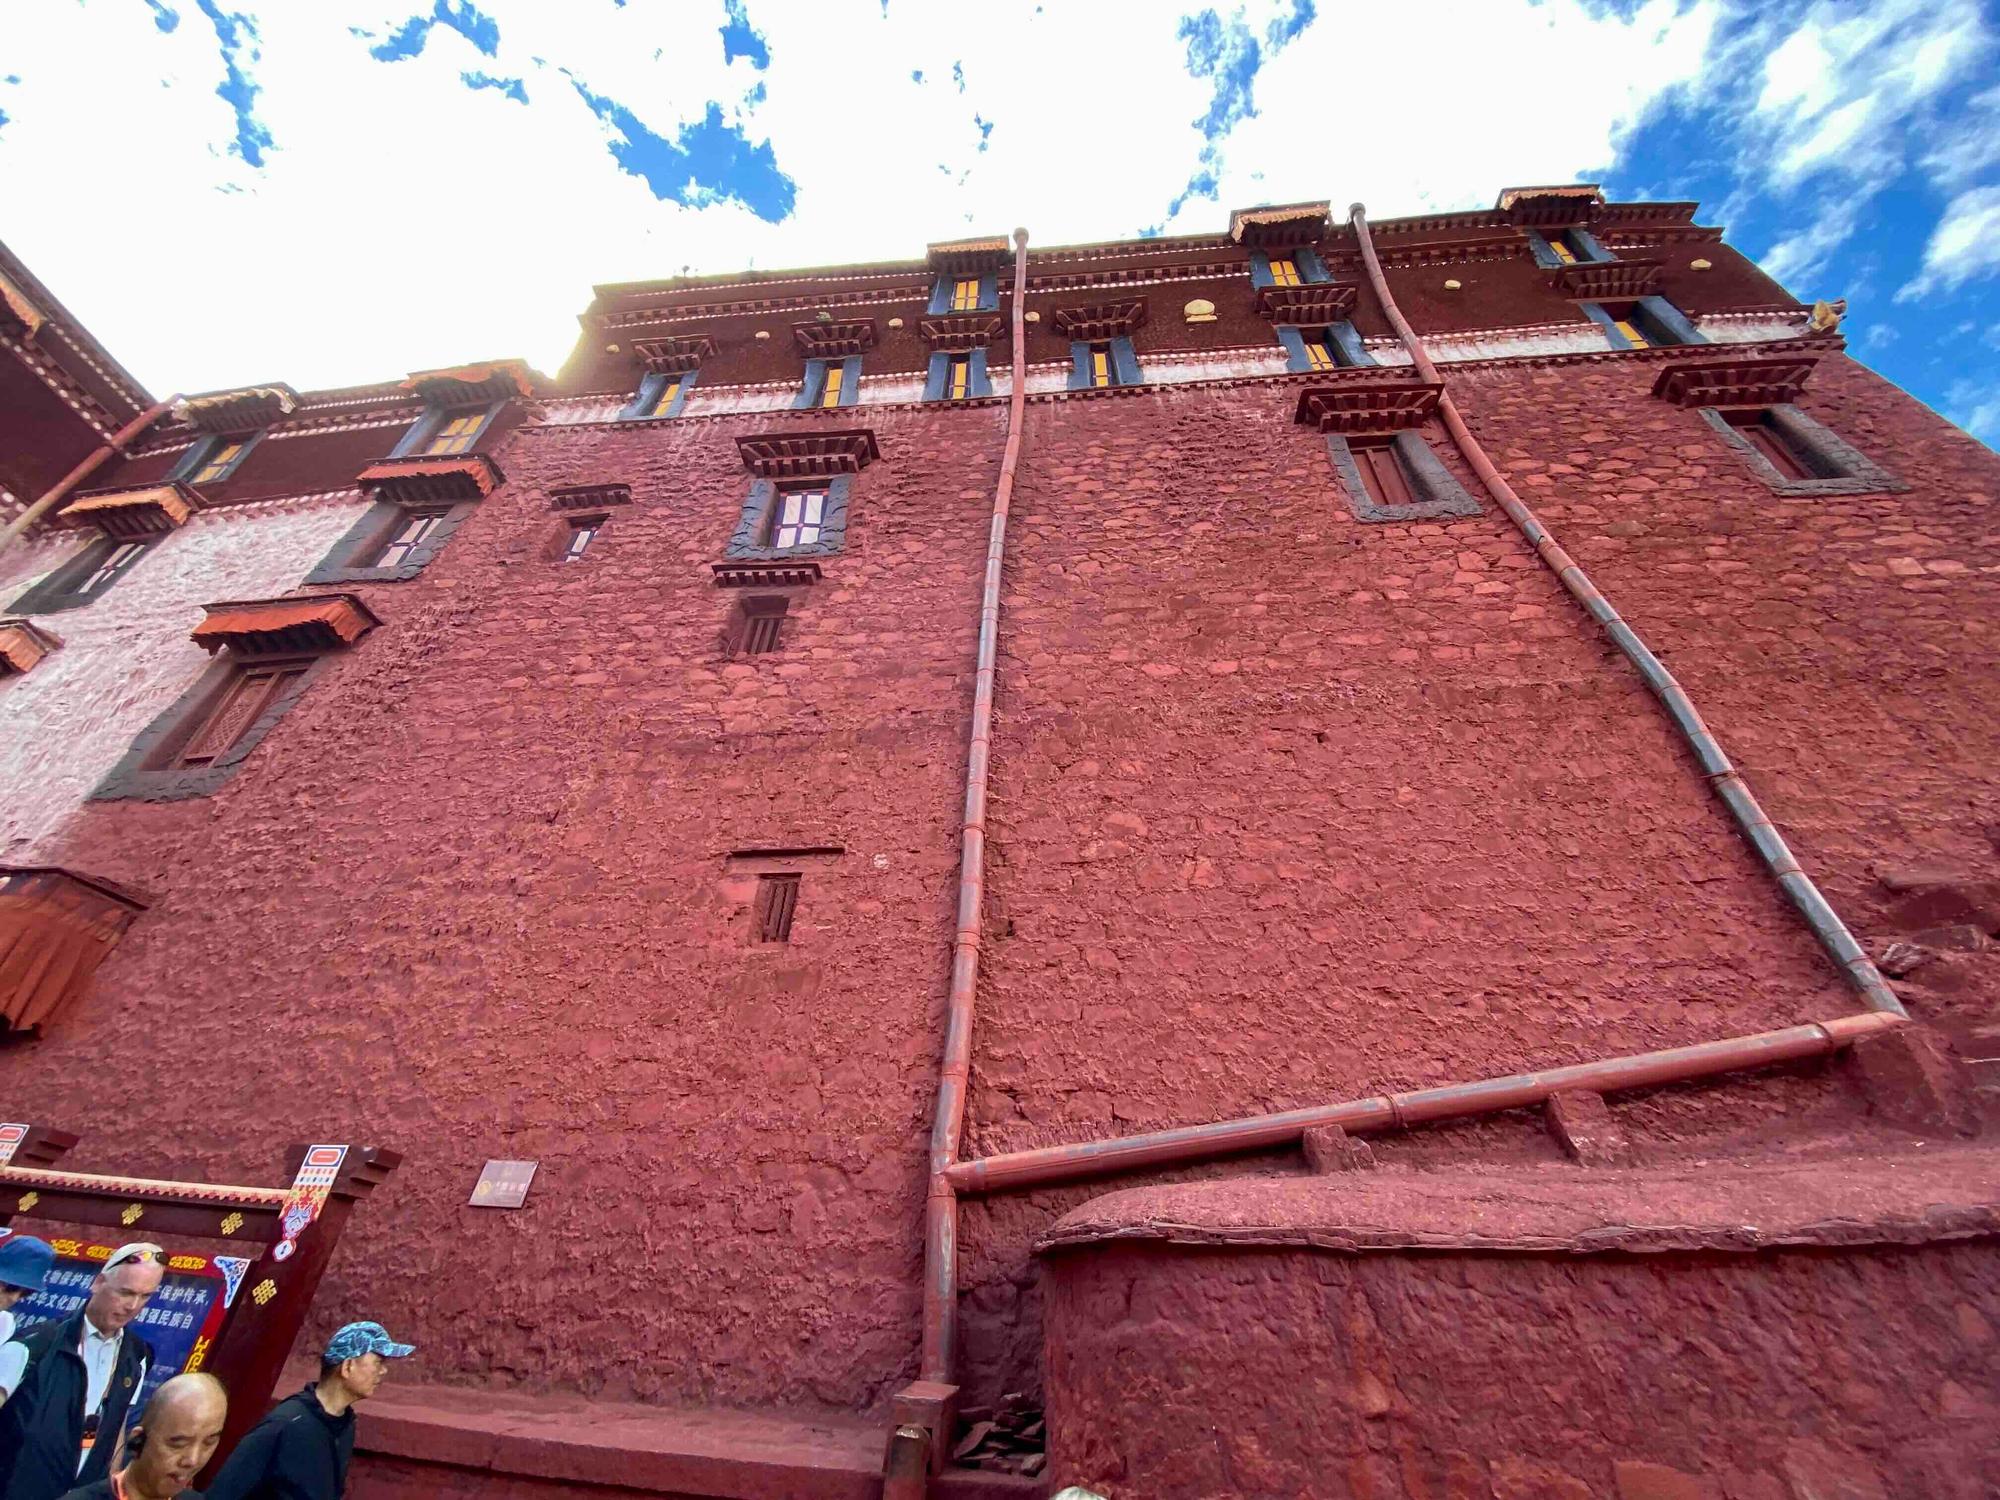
116 561
965 294
959 386
582 532
1757 428
218 462
669 393
797 517
242 702
1100 364
409 534
1382 471
456 435
829 393
763 622
1563 251
777 902
1285 271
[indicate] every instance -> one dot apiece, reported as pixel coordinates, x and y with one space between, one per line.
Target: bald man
176 1435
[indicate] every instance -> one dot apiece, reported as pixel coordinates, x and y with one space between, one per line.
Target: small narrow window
965 294
1773 442
582 532
1561 248
456 435
762 626
959 386
1100 364
797 518
663 403
777 901
1285 271
1319 351
218 463
409 533
829 391
116 561
1382 473
1629 326
242 702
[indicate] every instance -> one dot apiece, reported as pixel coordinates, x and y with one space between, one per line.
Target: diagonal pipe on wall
1728 783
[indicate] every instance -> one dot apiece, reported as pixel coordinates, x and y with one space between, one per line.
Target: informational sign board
180 1322
503 1184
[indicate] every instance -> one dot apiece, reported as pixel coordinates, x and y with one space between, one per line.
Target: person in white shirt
24 1270
73 1381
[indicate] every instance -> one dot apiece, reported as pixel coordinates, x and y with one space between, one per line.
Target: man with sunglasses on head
71 1382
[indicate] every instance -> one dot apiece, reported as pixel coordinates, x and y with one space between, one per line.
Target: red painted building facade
575 770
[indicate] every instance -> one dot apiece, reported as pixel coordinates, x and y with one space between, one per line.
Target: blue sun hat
25 1262
357 1339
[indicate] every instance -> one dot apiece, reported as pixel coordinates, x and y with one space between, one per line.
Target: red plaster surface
1198 1349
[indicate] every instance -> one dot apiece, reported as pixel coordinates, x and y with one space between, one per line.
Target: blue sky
328 192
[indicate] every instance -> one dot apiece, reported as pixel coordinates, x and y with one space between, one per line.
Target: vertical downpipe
1723 777
948 1123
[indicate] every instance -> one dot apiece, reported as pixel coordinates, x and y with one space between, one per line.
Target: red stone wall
468 901
1866 1374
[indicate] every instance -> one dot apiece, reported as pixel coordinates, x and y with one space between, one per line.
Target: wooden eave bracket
1280 226
1368 404
432 479
673 354
261 627
577 497
19 316
1597 280
1311 306
1559 206
764 574
1110 320
1736 380
957 333
801 455
23 643
967 257
150 510
468 385
835 339
245 410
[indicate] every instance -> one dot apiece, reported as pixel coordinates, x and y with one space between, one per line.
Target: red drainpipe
948 1123
1722 776
115 445
1456 1101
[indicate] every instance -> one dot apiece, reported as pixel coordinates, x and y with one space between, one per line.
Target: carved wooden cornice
1735 380
1368 401
834 339
1107 320
1311 306
262 627
764 574
673 354
132 513
1602 280
577 497
469 385
1283 226
432 479
245 410
955 333
801 455
968 257
1552 207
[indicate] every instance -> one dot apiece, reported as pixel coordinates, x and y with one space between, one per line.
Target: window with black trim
1776 445
964 294
831 382
657 395
1323 350
1103 371
760 625
1285 271
958 377
579 533
1388 477
411 530
797 515
777 904
456 434
1383 471
220 460
252 688
85 577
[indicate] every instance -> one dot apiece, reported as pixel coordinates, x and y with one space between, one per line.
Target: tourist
24 1270
71 1382
176 1436
300 1451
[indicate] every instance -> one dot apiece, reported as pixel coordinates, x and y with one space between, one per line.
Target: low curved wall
1826 1332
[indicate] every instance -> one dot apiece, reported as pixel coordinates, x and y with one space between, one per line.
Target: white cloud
1965 244
1975 406
1806 251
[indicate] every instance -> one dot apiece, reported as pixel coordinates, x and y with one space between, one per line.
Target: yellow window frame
666 397
1630 329
965 294
456 435
961 377
213 467
1318 356
1100 364
829 394
1285 271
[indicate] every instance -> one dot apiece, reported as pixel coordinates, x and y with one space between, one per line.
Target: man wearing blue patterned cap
300 1451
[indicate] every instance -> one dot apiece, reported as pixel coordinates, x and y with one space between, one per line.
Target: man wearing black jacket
71 1383
300 1451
